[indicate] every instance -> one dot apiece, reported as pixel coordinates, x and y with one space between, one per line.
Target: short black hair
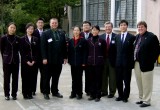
77 27
28 25
86 22
40 19
96 26
11 23
123 21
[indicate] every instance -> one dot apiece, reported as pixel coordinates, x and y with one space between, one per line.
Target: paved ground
39 103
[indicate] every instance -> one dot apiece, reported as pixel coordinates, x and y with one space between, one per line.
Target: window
98 11
126 9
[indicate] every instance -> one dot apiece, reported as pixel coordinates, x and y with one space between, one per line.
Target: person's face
40 24
141 29
30 30
76 31
53 24
86 27
95 31
123 27
12 29
108 28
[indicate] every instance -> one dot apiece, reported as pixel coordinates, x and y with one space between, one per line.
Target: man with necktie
109 75
86 34
54 54
145 54
124 61
38 33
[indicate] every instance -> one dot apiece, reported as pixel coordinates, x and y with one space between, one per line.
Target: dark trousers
10 69
54 72
96 80
109 78
40 67
123 75
76 73
87 80
28 74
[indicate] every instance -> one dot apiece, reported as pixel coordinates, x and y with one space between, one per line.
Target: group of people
107 60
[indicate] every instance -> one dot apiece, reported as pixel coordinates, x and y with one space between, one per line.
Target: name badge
113 42
50 40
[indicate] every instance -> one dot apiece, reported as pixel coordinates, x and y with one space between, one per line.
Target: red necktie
108 41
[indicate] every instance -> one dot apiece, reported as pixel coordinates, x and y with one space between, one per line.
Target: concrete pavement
39 103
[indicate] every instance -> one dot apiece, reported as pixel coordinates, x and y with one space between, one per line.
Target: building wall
153 16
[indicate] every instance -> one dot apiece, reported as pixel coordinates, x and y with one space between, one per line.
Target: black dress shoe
79 97
91 98
139 102
125 100
103 94
58 95
119 99
72 96
88 94
110 96
7 98
30 97
33 93
97 99
25 96
145 105
46 96
14 98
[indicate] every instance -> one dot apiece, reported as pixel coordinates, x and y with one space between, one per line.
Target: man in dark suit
38 33
124 61
109 75
145 54
54 54
86 34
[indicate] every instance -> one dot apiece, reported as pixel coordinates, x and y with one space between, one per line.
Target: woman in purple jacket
96 56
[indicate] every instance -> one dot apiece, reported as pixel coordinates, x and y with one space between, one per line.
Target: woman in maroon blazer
29 52
96 56
10 57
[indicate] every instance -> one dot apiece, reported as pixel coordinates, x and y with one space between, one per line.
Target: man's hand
65 61
45 61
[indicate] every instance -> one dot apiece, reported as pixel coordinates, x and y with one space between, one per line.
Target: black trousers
42 72
123 75
28 74
8 70
95 73
87 80
53 73
76 73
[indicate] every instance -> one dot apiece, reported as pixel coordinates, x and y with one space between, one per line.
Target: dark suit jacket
77 55
83 35
36 34
54 51
148 52
29 51
125 51
10 49
112 48
96 51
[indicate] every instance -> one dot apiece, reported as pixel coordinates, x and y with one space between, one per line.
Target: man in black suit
109 75
38 33
124 61
86 34
54 54
145 54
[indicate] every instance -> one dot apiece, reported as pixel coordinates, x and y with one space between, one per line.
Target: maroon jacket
96 51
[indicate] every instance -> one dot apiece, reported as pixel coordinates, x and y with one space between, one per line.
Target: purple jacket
96 51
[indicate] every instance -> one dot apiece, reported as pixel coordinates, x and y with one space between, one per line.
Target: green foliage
23 11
